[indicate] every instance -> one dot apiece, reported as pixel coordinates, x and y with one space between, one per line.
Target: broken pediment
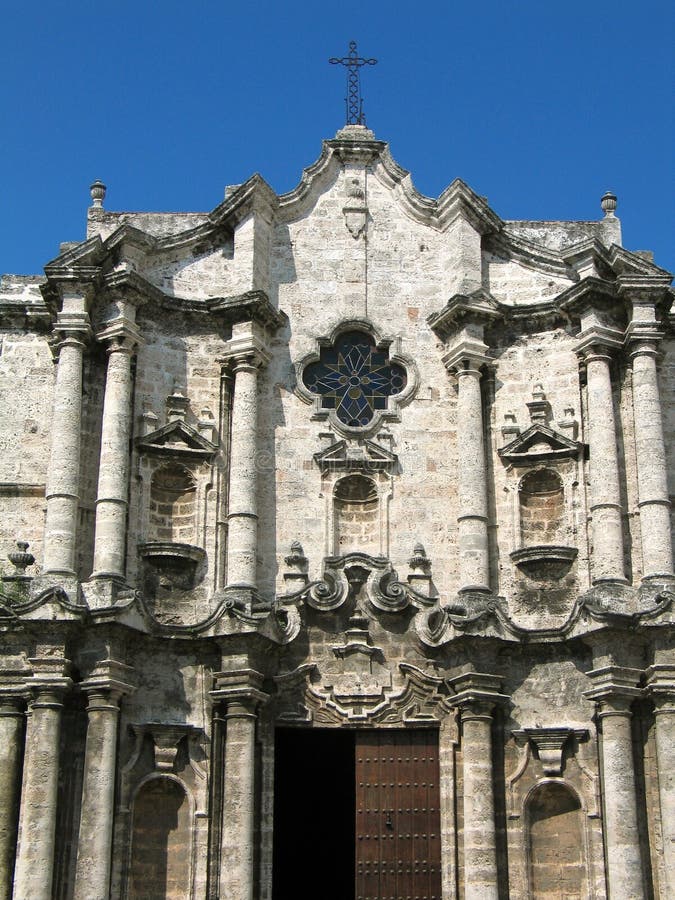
348 456
539 442
177 438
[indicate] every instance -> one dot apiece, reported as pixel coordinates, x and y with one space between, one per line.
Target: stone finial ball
608 203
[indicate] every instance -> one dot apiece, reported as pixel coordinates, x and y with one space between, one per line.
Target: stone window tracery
354 378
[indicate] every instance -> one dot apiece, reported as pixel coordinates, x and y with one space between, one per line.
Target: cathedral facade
339 552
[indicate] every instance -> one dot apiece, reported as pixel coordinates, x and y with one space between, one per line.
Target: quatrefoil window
354 378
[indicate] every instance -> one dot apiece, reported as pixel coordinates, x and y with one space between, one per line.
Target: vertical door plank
398 847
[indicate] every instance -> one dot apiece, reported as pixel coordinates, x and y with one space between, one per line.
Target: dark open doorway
314 814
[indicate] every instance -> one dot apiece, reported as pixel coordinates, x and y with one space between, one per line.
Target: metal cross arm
354 101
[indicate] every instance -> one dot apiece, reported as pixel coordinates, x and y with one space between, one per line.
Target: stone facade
373 484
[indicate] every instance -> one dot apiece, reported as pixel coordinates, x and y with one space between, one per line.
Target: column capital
12 702
660 686
240 691
120 336
467 357
73 328
598 342
246 360
110 678
248 346
614 688
476 693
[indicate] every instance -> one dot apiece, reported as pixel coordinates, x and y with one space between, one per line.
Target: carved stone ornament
355 210
372 577
305 695
549 744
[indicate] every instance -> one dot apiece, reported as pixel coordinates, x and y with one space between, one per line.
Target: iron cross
354 101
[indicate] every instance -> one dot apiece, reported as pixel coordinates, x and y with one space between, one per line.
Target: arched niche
542 507
161 844
173 505
356 515
556 843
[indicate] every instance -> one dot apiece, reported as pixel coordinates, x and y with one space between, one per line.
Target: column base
66 581
102 591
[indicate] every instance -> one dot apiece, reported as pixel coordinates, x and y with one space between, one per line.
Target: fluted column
615 691
33 872
242 541
476 697
652 472
63 481
113 476
94 847
472 521
661 688
240 695
607 559
11 751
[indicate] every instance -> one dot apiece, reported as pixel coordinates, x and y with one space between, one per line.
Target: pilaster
63 481
465 360
476 696
121 338
239 694
12 706
596 346
34 868
246 353
614 690
660 686
104 689
643 337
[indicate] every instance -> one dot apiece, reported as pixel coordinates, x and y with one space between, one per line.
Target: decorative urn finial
608 203
97 191
20 558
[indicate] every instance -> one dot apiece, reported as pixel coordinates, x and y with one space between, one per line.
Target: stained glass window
354 378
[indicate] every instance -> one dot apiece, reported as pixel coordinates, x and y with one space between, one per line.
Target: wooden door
398 843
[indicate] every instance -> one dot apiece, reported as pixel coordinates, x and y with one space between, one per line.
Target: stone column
94 847
63 481
474 566
113 475
242 541
615 690
34 869
653 498
661 687
240 694
11 751
607 562
476 697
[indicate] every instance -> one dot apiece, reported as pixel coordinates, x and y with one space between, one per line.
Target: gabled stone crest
539 442
177 438
348 456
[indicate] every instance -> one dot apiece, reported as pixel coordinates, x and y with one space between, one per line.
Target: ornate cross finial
353 100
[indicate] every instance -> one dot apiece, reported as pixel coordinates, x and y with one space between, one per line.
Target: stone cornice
587 294
480 307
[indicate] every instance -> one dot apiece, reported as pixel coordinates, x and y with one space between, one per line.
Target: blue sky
541 107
